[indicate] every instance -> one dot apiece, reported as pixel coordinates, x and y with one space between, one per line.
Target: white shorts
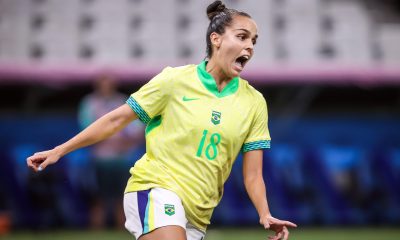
148 210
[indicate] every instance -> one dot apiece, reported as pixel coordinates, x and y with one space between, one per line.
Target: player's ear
216 39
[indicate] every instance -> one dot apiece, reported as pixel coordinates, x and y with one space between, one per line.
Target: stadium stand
294 32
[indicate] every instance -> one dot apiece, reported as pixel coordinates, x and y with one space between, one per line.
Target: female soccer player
198 119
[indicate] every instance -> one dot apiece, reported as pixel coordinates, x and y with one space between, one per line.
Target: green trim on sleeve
256 145
138 110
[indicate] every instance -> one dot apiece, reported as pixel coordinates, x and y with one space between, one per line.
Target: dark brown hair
220 17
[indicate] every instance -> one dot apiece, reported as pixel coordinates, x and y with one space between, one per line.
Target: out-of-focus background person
329 70
110 158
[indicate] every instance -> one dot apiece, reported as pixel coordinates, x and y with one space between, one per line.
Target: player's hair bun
214 9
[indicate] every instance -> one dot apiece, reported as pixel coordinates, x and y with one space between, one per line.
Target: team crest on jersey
215 117
169 209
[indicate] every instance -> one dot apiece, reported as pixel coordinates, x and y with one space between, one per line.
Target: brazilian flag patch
215 117
169 209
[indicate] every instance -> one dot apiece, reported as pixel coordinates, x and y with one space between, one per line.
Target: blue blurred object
18 175
285 175
80 185
387 182
341 182
19 154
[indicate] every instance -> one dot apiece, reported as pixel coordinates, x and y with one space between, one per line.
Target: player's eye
242 37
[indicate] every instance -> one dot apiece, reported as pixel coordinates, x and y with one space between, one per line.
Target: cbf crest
169 209
215 117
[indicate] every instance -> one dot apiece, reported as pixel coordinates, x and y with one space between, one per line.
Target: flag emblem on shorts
169 209
215 117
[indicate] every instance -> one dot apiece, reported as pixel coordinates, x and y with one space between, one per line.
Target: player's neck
221 79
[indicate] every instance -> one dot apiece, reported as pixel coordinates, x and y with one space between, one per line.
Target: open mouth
242 60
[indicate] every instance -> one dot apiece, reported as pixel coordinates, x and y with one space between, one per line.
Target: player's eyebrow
248 32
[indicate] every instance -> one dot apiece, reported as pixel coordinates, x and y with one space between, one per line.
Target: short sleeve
258 137
150 100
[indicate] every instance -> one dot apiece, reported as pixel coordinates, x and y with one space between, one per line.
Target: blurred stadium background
329 69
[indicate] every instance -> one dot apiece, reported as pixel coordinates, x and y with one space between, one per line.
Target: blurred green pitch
224 234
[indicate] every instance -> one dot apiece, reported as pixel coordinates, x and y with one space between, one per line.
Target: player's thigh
156 210
165 233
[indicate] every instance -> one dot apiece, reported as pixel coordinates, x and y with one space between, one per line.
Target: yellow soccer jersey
194 134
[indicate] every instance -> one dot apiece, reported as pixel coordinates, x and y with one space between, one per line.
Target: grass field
224 234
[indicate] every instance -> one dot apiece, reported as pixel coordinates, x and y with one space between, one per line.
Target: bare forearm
254 182
256 190
99 130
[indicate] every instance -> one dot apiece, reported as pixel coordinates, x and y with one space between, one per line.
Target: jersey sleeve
150 100
258 137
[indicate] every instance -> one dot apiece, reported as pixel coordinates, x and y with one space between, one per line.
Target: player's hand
280 227
40 160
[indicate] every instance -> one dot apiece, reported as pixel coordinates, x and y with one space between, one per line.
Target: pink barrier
140 73
70 74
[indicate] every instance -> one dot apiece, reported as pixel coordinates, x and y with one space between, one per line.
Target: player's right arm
99 130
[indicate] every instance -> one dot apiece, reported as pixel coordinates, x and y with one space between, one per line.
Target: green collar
209 82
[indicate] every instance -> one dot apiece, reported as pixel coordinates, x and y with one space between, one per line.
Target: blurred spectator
112 157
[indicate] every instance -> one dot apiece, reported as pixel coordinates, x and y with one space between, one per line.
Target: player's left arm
255 187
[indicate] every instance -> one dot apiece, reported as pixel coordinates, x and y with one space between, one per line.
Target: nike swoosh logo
186 99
